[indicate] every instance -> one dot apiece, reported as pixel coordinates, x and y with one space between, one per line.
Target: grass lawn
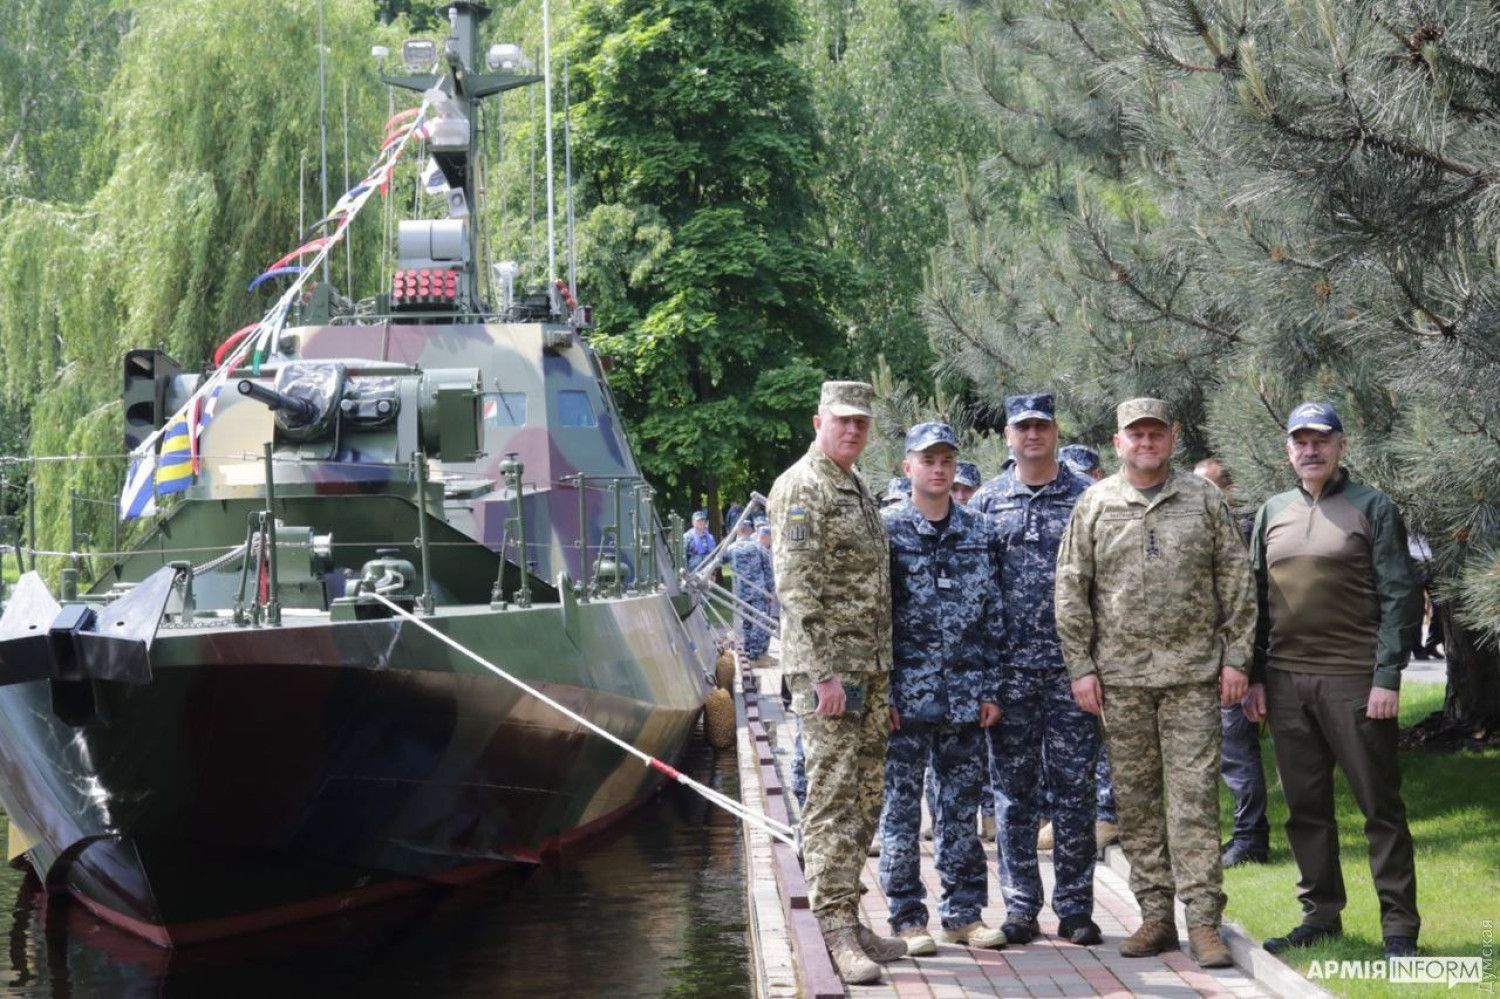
1453 805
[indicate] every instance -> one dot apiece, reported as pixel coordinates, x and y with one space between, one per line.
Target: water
654 908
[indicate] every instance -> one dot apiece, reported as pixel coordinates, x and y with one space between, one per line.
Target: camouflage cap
746 524
700 514
763 528
968 475
930 435
848 398
1036 406
1134 410
1079 457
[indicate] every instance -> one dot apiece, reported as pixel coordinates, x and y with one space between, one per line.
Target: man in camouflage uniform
833 580
948 632
755 585
1044 740
1156 612
965 481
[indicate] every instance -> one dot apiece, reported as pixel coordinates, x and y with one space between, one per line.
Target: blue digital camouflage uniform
697 545
1044 741
947 633
755 584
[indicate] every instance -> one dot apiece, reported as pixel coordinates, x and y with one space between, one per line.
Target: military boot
987 828
880 948
855 966
919 942
1046 839
1208 947
1151 939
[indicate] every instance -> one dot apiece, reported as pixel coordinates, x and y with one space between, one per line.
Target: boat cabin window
505 409
574 409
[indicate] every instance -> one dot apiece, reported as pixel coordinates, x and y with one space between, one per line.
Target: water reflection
654 908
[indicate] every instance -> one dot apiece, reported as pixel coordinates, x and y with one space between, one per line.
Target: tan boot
855 966
919 942
881 949
1151 939
987 828
1106 833
976 934
1208 948
1045 838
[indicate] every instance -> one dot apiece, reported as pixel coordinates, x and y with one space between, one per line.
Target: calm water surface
654 908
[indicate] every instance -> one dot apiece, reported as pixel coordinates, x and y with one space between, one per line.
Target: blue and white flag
139 496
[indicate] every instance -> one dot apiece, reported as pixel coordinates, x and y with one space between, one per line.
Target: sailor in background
697 542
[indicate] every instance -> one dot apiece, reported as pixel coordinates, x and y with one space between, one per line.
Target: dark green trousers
1318 721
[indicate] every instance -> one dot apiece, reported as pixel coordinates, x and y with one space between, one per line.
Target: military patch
798 529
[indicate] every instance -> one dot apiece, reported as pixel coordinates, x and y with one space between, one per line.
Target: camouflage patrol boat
232 730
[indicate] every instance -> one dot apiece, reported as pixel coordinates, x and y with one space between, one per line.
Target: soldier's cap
930 435
1319 416
899 485
848 398
746 525
1036 406
700 514
761 522
967 475
1134 410
1079 457
763 528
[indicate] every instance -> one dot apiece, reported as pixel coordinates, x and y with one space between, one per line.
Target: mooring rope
778 830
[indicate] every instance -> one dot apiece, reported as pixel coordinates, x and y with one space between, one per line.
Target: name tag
944 583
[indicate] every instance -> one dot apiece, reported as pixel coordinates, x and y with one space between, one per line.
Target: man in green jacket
1156 612
1340 605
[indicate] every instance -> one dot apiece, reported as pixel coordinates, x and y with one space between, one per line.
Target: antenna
547 91
568 174
323 120
348 237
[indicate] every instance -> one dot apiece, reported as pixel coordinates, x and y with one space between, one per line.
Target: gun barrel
297 410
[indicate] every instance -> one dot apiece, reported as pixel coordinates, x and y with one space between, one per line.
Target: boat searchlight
418 54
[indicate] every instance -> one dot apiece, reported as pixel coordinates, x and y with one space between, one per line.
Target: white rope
776 829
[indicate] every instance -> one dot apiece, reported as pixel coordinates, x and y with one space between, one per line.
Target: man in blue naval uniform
947 632
1043 736
697 542
754 583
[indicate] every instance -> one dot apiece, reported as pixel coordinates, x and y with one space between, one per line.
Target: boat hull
272 775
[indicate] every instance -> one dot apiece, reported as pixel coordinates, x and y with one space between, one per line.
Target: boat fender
718 718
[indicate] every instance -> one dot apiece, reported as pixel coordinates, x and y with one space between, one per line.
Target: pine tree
1261 203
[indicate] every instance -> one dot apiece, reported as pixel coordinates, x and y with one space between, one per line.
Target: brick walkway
1045 967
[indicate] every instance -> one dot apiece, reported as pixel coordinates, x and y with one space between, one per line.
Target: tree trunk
1472 703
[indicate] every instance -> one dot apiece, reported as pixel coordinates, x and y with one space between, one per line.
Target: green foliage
205 123
696 149
895 144
1264 203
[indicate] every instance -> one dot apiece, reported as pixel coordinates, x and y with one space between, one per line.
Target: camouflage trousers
1164 744
956 754
753 637
845 761
1045 746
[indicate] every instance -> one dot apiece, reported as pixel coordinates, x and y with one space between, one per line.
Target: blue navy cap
1314 416
1037 406
967 475
926 435
762 527
1079 457
700 514
745 524
761 522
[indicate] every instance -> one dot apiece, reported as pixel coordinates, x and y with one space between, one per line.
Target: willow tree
206 126
1261 203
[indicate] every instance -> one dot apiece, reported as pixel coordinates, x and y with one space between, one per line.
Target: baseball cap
700 514
848 398
1134 410
967 475
1037 406
763 528
1314 416
927 435
1079 457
